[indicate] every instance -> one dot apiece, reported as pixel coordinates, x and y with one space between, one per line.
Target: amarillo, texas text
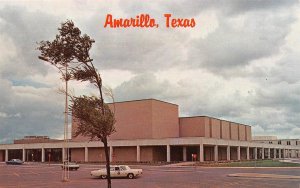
145 21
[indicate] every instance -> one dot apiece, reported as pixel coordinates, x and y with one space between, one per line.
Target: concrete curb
250 167
256 175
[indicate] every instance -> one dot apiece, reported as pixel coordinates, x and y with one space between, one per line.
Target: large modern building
151 130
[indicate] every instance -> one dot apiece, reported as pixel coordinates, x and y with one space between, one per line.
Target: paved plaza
45 176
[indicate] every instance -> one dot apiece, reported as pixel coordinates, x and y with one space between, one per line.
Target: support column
111 150
201 153
63 154
280 155
216 153
239 153
6 155
138 153
248 153
262 153
255 153
275 153
168 153
184 153
43 155
269 153
86 154
23 154
228 153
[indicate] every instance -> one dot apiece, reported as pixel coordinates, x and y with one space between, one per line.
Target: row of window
287 142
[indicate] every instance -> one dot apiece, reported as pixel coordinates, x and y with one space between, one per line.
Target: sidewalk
256 175
180 164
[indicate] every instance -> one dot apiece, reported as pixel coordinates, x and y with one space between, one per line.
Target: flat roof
215 118
138 100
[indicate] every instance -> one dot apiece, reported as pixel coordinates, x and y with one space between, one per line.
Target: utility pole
66 172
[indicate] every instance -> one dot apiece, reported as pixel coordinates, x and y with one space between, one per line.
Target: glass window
117 168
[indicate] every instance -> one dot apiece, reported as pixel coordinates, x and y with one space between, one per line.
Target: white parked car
118 171
15 162
70 165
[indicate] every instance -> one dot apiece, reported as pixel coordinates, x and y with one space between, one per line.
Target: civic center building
151 130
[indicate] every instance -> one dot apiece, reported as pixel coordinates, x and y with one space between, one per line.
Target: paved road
44 176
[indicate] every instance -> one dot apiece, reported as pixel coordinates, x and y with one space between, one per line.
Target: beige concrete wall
165 122
225 130
248 133
77 154
242 132
142 119
207 127
133 120
234 131
215 128
150 118
74 128
124 154
192 127
146 153
96 154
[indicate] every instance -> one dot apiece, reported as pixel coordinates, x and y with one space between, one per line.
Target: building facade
151 130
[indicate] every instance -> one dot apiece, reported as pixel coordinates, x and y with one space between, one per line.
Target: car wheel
130 176
103 176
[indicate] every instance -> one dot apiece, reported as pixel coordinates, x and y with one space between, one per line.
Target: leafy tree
69 52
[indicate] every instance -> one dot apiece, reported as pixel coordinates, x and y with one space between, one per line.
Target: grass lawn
259 163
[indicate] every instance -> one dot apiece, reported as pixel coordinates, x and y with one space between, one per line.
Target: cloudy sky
240 62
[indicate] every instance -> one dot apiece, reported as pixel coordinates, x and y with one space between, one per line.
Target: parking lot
43 175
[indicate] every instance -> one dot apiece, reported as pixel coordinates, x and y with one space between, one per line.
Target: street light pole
66 172
65 149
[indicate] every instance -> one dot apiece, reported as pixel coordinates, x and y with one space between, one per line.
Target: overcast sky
240 63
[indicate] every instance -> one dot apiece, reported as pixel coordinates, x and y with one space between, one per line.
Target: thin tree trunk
107 163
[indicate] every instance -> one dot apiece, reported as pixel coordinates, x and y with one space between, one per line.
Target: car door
118 171
113 172
123 172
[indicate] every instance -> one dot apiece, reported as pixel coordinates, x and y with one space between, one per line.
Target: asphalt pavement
48 176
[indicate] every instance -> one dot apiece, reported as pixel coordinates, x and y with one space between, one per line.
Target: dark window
279 142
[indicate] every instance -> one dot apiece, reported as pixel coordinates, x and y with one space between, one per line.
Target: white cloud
3 115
